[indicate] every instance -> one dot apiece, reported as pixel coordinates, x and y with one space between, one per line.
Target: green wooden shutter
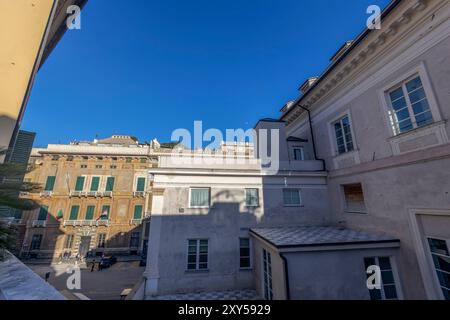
137 212
74 213
43 212
95 183
140 187
107 209
90 213
50 184
110 184
80 184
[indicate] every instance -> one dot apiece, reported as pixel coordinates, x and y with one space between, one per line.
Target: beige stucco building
95 197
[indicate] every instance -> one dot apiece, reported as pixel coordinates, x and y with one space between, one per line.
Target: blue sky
147 67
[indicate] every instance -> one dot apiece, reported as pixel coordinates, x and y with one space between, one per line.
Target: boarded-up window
354 198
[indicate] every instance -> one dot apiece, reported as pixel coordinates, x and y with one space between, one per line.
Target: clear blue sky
145 68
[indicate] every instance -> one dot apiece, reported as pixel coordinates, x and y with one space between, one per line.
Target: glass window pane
192 258
438 246
420 106
441 263
369 262
402 115
444 279
390 292
192 266
199 197
417 95
387 277
424 119
396 94
203 266
385 263
375 294
203 258
405 126
414 84
244 242
399 104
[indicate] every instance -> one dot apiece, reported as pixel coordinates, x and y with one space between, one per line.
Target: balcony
135 222
78 194
104 223
73 223
39 224
46 194
139 194
96 194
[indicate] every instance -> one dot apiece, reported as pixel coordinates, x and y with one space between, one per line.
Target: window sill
421 138
356 212
246 269
293 206
347 159
196 271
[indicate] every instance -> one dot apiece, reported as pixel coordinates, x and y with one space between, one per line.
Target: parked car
107 262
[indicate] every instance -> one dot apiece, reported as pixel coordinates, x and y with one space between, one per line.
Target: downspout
324 166
286 276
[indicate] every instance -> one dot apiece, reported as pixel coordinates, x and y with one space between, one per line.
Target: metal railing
46 194
135 222
39 224
139 194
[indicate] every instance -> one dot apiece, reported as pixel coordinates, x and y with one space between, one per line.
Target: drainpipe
312 137
286 276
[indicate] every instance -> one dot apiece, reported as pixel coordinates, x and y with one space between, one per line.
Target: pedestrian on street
93 265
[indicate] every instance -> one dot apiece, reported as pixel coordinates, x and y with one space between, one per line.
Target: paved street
98 285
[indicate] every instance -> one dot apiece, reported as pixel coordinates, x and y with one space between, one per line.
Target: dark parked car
107 262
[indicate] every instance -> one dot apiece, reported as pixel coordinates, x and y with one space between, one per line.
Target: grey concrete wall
335 275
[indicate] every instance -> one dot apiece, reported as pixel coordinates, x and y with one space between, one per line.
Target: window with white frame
244 253
410 108
267 275
251 197
197 254
343 135
199 198
388 289
441 260
299 154
292 197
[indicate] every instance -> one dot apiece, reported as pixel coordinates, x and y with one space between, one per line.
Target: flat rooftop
289 237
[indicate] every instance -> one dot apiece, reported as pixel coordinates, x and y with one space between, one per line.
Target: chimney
341 51
307 84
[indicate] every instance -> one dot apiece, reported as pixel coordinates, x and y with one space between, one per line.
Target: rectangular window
267 275
90 211
140 184
292 197
343 135
299 154
50 184
110 184
137 212
69 242
134 240
36 241
83 166
388 289
199 198
197 254
251 197
105 212
244 253
43 213
410 107
441 260
79 185
354 198
101 240
98 166
74 213
95 182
